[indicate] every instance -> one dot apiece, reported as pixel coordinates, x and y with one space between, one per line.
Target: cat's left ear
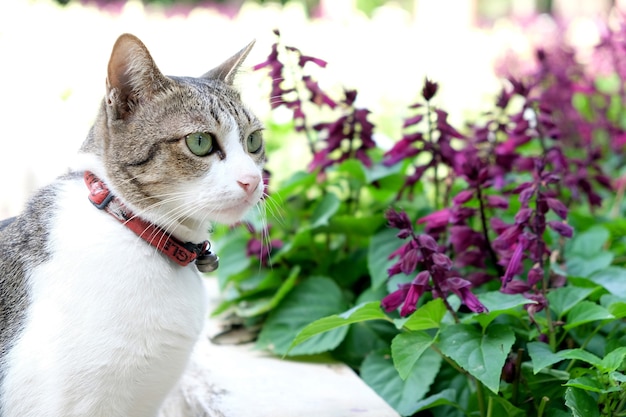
132 78
227 71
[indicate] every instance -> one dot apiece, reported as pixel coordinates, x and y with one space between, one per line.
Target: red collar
180 252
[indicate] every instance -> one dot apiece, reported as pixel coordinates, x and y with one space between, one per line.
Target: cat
100 301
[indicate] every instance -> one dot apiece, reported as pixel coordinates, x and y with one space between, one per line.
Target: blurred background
54 55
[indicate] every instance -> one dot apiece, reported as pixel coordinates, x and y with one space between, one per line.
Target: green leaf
589 384
327 206
499 303
591 241
353 168
585 254
407 348
581 403
580 355
613 279
613 360
586 312
314 298
564 298
445 397
502 407
381 246
379 373
233 259
481 354
379 171
428 316
251 308
583 265
541 356
299 180
362 312
360 226
614 305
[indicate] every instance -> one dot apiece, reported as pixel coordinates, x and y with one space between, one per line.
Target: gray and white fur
94 321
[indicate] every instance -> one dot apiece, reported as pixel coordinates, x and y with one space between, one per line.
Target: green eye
200 143
254 142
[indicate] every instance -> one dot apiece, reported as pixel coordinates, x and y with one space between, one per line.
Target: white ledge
245 382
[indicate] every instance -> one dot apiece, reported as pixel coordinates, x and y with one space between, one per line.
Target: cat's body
94 320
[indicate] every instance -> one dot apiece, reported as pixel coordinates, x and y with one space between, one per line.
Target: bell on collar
207 262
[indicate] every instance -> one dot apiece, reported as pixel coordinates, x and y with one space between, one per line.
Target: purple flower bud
436 219
413 120
442 261
525 195
427 242
422 278
412 297
398 220
429 90
461 288
496 201
395 269
403 234
523 186
557 207
304 59
535 275
515 286
522 216
409 261
604 181
515 264
395 299
463 197
509 237
563 229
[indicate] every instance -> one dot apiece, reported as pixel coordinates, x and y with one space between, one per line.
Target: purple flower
514 265
435 220
407 295
260 247
563 229
396 298
461 288
557 207
398 220
349 136
429 90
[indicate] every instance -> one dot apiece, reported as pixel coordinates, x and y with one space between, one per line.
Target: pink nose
249 182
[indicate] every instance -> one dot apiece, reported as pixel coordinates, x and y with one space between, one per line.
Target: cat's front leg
195 394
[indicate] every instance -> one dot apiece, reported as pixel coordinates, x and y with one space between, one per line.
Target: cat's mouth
234 212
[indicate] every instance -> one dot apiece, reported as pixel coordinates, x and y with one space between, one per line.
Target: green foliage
554 348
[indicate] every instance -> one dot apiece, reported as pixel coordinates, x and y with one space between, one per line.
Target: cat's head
179 151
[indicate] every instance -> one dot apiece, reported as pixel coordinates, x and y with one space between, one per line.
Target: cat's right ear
228 69
132 76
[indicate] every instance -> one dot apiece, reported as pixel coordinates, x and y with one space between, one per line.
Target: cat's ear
227 71
132 76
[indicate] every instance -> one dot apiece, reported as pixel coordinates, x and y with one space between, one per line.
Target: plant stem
518 372
490 407
434 155
480 396
483 220
542 406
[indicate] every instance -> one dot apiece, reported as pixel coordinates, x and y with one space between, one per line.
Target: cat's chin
230 216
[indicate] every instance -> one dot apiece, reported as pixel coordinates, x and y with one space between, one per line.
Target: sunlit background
54 56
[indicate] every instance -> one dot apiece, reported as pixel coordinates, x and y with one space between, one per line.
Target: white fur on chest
110 325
